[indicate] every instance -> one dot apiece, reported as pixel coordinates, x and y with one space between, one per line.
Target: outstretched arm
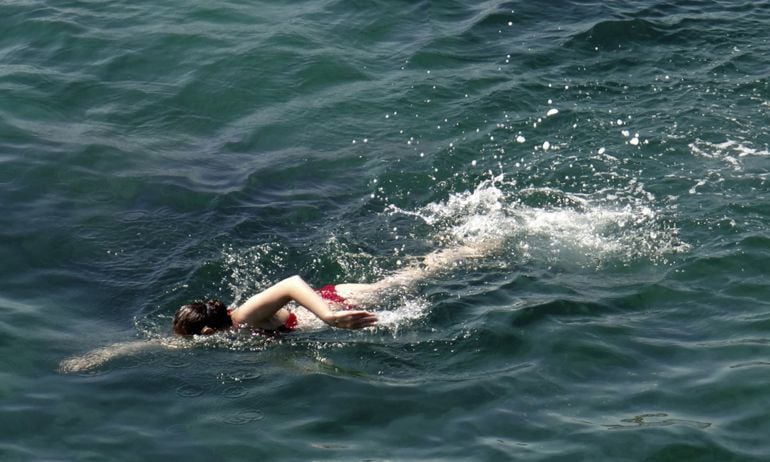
263 306
99 356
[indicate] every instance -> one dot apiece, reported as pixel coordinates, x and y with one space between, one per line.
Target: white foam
571 228
731 152
720 150
520 225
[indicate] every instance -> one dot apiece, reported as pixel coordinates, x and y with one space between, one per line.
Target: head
201 318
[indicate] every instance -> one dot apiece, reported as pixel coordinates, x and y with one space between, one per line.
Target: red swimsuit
328 293
291 321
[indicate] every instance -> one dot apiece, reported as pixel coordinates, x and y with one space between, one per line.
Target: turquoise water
156 152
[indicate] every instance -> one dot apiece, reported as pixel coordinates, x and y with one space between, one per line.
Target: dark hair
193 318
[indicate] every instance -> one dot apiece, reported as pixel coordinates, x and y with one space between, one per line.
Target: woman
267 312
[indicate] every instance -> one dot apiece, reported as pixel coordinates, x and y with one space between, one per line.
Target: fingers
354 319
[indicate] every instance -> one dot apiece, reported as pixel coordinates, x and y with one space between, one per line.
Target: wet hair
191 319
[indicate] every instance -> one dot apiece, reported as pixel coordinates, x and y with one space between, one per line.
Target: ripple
189 391
177 363
561 308
243 375
243 417
235 392
751 364
607 34
660 419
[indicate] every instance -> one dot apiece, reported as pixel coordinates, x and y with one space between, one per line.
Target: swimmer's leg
357 294
407 276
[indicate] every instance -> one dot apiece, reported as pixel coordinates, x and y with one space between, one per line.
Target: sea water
615 153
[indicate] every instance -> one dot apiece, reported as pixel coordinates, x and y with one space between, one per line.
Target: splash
394 312
469 217
549 224
252 269
496 219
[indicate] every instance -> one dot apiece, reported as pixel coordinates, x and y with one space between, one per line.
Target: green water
156 152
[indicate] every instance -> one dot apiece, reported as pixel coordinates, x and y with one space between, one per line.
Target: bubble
546 146
520 139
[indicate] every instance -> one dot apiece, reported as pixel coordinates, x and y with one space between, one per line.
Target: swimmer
268 311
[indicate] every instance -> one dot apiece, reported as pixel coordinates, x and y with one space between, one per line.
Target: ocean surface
617 152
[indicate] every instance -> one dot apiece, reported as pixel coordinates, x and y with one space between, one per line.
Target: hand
352 319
